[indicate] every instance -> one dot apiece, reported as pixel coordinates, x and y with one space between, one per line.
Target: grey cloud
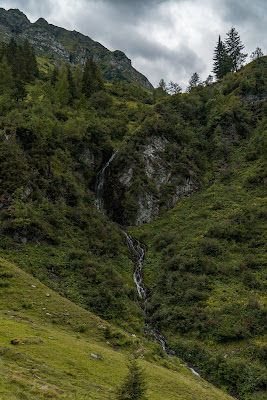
31 8
246 11
125 24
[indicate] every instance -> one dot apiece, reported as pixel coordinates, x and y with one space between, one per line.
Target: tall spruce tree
72 87
92 78
234 49
221 65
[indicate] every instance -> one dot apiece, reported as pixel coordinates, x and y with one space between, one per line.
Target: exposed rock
15 341
148 208
159 174
126 178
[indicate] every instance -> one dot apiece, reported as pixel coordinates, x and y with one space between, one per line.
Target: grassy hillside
58 344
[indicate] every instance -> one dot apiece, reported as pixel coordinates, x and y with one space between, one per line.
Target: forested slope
205 261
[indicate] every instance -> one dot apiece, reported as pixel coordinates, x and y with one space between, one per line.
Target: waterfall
136 248
99 183
139 253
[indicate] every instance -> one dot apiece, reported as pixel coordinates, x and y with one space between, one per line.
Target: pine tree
221 65
134 386
193 81
29 62
62 88
6 78
78 79
234 49
54 76
162 85
72 87
92 78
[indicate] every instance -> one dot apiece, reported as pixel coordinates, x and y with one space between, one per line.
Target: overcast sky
168 39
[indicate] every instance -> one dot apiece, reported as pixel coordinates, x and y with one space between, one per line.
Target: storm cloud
168 39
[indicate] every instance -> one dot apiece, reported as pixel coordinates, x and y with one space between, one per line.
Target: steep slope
58 45
182 142
205 257
64 351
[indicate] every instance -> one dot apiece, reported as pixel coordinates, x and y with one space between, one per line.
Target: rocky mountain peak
42 22
14 20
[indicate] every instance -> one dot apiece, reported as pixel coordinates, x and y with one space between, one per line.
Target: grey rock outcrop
159 176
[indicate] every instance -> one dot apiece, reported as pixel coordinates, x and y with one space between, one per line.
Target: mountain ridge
59 45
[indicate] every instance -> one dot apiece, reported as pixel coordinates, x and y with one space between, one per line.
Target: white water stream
136 248
139 252
99 183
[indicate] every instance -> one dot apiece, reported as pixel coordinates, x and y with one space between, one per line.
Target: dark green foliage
193 81
221 64
72 87
234 49
134 386
22 60
205 259
92 79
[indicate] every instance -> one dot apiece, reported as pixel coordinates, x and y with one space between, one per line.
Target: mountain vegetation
188 180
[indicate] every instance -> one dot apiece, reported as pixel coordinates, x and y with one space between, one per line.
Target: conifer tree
6 78
193 81
72 87
28 62
92 78
78 79
54 76
163 85
62 88
221 65
234 49
134 386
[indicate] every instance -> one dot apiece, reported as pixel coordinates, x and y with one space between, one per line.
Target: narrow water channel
138 251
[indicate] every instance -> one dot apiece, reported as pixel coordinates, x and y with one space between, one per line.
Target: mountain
57 45
98 185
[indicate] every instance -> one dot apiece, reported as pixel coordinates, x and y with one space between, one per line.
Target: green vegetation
205 263
134 386
64 352
206 258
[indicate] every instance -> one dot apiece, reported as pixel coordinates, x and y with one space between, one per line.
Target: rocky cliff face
62 46
157 187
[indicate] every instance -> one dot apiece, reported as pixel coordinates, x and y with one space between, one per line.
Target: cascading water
139 252
136 248
99 183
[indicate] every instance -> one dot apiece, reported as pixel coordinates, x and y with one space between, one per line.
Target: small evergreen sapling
134 385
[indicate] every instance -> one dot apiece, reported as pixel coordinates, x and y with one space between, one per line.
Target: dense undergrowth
206 258
205 262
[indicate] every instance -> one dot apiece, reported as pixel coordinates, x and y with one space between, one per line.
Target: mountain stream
138 251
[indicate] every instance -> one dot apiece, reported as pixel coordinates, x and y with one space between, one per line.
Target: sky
169 39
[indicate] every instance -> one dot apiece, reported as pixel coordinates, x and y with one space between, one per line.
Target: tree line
18 67
228 57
